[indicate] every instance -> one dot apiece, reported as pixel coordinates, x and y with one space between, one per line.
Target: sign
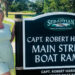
49 41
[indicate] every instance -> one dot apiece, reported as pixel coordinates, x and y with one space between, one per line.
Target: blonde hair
1 12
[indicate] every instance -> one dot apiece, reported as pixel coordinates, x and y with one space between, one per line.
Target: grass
32 12
8 22
22 12
10 16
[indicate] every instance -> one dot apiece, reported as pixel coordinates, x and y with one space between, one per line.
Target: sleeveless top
6 50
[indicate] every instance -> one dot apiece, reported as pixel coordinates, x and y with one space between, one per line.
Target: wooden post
18 36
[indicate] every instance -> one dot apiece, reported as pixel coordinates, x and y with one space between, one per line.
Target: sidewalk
10 20
13 45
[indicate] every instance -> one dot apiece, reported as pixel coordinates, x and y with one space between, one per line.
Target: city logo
60 23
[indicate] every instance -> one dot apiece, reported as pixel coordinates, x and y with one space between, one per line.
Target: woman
6 52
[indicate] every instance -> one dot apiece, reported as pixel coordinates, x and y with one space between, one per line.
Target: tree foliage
59 5
17 6
39 6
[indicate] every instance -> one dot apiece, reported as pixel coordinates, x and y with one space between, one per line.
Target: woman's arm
12 34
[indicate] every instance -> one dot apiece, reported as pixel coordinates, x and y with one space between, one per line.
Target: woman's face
1 17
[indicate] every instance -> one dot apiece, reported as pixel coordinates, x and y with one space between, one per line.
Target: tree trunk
6 7
0 3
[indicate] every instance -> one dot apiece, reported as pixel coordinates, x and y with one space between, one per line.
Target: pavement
10 20
13 45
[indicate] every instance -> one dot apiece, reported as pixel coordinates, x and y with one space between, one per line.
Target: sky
32 0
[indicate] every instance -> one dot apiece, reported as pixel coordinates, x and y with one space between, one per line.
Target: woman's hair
1 12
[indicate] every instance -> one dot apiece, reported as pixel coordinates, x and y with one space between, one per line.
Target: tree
49 6
5 2
6 6
17 6
72 2
39 6
21 0
59 5
0 3
9 2
73 5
